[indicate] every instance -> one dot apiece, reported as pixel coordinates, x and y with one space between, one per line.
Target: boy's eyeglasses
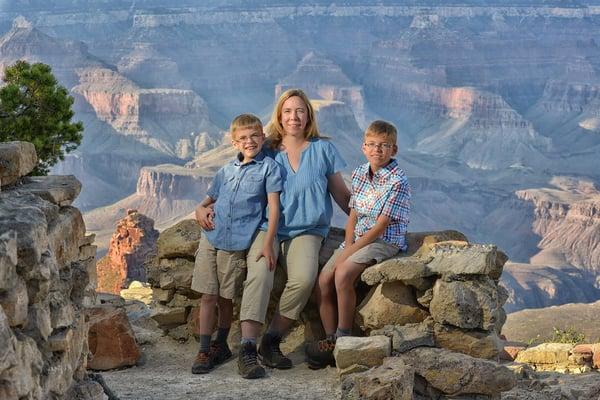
254 138
384 146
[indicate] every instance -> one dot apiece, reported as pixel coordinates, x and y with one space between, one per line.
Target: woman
311 167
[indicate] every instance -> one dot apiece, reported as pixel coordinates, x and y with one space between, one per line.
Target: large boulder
468 304
111 339
389 303
180 240
458 374
17 159
474 343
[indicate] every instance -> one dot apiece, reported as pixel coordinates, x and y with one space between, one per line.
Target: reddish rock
111 339
134 238
584 350
596 355
510 350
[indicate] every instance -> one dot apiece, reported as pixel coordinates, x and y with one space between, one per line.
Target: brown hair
245 121
382 128
275 130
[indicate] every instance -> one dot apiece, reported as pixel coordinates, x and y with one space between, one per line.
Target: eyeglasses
254 138
383 146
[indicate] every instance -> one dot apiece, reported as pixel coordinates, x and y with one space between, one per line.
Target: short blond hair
382 128
243 121
275 129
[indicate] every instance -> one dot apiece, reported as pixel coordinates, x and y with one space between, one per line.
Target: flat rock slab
407 337
368 351
546 353
57 189
17 159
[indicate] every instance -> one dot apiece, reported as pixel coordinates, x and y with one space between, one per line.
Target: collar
258 159
382 172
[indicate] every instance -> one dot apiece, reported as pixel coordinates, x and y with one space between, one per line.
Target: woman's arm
338 189
350 226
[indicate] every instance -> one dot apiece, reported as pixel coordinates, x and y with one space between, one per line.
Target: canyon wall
47 276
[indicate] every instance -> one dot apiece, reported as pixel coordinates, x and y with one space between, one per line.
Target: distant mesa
322 79
22 23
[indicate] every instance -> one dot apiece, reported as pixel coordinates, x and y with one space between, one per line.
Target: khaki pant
258 283
300 259
216 271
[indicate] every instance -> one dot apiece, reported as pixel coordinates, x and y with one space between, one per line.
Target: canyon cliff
491 100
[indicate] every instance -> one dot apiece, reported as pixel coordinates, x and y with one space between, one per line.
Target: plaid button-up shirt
387 192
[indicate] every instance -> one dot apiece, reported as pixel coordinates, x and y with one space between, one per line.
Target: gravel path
165 375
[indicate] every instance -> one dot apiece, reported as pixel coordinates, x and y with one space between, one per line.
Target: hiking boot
248 366
320 354
271 354
202 364
219 352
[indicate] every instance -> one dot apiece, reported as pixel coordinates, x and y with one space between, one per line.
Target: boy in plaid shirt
375 231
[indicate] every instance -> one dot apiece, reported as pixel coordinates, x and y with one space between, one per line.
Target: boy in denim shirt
240 192
376 230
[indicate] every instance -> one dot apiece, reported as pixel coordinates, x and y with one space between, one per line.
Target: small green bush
567 335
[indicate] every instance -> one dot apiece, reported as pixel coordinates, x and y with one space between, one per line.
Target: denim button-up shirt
240 191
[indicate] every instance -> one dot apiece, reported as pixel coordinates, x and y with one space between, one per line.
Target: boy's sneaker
320 354
202 364
271 354
219 352
248 366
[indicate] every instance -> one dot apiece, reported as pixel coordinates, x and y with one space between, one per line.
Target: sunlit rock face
134 238
171 121
567 217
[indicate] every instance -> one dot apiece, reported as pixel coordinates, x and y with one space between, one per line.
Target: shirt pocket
252 183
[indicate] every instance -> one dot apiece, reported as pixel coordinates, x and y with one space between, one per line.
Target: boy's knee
209 299
326 281
344 279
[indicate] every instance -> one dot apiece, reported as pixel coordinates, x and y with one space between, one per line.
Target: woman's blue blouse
306 206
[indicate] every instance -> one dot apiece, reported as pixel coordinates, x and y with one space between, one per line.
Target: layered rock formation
24 41
134 239
172 121
321 78
164 193
567 219
45 265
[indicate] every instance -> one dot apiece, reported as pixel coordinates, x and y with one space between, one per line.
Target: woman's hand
269 255
205 217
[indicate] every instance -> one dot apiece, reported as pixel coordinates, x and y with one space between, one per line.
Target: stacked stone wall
45 265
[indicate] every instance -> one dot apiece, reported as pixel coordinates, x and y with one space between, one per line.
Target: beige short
216 271
300 260
258 283
371 254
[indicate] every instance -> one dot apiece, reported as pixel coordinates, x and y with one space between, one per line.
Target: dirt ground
165 375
